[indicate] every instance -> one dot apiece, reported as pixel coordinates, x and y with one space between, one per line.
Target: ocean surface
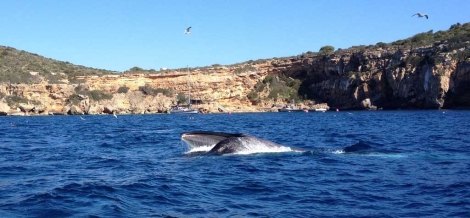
137 166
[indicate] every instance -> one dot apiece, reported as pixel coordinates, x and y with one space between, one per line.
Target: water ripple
135 166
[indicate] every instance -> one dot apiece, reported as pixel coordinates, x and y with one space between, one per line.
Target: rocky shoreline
436 76
154 106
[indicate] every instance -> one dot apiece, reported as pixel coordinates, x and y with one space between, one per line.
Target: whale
359 147
220 143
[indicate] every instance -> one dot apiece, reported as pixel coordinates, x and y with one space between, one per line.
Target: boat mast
189 88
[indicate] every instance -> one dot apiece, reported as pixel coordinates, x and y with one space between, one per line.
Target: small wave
152 131
264 149
249 150
384 155
338 152
117 146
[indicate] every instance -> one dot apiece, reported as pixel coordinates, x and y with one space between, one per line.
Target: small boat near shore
290 109
297 109
179 109
183 110
320 110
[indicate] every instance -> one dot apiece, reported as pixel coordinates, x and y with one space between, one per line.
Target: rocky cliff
219 89
361 80
423 78
389 77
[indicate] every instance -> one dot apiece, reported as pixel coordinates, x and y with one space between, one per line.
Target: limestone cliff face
423 78
220 89
458 95
417 79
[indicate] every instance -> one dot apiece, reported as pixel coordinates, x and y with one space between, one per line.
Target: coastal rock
458 95
95 109
75 110
65 110
319 106
274 109
4 108
17 113
365 104
108 109
27 107
358 79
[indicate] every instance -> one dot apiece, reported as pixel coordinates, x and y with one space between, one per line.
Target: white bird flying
187 31
114 114
82 118
421 15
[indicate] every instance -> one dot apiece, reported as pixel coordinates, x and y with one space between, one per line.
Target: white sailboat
178 109
290 108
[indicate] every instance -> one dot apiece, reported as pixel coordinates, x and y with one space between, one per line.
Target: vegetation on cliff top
277 87
20 66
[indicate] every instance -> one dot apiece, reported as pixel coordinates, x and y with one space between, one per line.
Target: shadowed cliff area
429 70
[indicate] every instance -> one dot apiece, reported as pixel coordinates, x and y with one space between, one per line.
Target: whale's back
246 144
219 143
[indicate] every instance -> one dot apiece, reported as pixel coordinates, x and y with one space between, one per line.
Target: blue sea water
137 166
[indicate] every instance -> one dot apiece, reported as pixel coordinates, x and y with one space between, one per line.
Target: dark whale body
359 147
219 143
229 143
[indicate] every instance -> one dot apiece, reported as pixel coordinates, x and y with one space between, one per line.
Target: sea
417 164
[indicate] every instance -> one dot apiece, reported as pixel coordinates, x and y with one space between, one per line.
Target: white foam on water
200 149
386 155
338 152
382 155
252 148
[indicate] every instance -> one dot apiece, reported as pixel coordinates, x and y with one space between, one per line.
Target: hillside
24 67
429 70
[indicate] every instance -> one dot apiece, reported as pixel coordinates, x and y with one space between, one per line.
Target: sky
120 34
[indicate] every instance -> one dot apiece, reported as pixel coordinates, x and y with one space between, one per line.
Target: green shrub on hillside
149 90
73 99
421 39
252 96
123 89
181 98
17 65
81 89
94 95
98 95
279 86
326 50
136 69
17 78
13 101
461 56
268 79
413 60
246 68
55 79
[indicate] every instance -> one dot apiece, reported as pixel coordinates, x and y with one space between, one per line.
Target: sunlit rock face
388 79
422 78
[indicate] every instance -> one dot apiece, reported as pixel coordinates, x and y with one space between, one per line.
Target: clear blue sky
120 34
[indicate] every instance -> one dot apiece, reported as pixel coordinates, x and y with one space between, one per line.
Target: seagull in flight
114 114
421 15
187 30
82 118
